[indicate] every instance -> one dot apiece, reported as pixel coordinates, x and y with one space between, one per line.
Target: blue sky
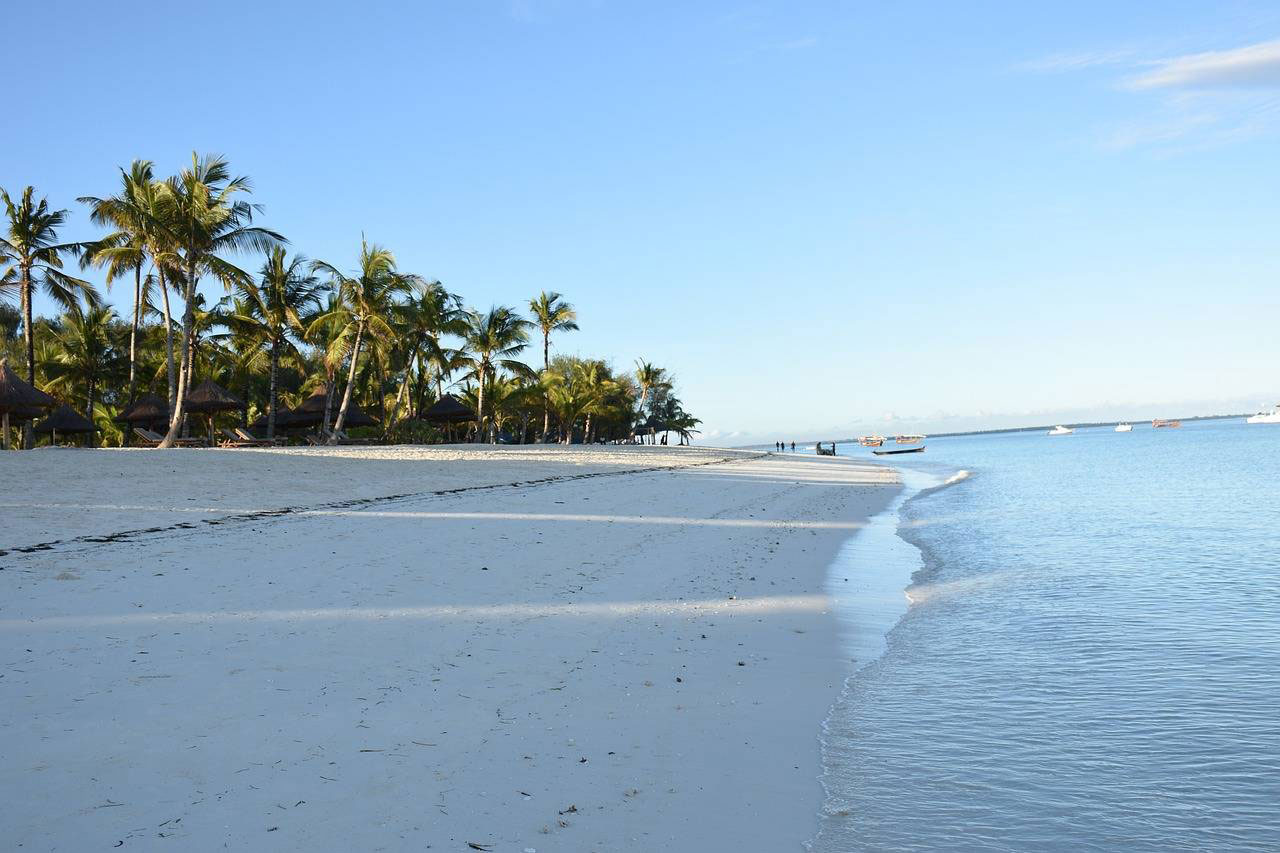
824 217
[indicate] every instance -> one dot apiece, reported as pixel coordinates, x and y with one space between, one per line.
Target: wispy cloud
1205 99
1253 66
1060 62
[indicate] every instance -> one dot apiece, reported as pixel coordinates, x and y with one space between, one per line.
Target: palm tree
31 249
367 301
430 313
272 308
204 218
125 249
650 379
81 355
493 340
551 314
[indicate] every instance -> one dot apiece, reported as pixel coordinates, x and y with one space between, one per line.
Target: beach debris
679 680
742 663
475 846
582 760
631 792
570 810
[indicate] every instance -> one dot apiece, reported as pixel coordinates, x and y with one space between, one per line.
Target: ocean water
1090 659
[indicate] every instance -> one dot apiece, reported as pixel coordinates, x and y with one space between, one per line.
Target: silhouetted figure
793 447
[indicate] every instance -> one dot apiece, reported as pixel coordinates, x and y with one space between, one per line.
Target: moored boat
919 449
1265 417
1124 427
871 440
908 439
1060 430
1161 423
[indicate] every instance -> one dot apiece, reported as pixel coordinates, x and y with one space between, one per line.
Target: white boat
1124 427
1060 430
1265 417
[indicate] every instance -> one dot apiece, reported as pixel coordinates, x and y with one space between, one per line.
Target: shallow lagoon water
1091 657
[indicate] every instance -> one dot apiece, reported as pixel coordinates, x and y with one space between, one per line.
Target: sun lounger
343 438
153 439
232 439
147 437
245 435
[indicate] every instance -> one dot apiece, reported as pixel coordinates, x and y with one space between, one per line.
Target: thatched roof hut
147 409
310 412
17 394
448 410
66 420
209 397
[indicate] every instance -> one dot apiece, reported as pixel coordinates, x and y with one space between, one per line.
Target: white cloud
1200 100
1253 66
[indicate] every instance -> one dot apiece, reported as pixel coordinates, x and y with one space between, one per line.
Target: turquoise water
1091 659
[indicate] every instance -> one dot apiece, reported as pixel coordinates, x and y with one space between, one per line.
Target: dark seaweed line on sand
353 503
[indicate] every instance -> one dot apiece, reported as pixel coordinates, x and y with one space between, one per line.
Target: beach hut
448 410
208 398
67 421
310 412
147 412
18 400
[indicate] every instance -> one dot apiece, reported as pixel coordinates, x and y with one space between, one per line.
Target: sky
824 218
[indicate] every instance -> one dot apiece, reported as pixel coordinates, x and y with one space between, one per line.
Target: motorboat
919 449
1265 417
908 439
1161 423
1061 430
871 440
1124 427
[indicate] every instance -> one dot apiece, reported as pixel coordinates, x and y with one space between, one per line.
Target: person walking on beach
793 447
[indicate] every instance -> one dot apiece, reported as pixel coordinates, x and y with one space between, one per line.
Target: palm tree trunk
400 395
28 334
271 395
188 322
351 381
133 331
168 342
329 374
480 407
546 365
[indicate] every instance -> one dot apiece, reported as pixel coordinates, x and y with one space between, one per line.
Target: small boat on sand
1161 423
908 439
1060 430
1124 427
1265 417
871 440
919 449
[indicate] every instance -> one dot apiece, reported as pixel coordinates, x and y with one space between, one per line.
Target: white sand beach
405 648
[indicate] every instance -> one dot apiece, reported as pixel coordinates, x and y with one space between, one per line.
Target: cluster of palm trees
372 335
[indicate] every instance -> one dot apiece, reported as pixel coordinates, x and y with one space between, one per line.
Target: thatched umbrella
448 410
310 412
209 398
17 397
66 420
146 411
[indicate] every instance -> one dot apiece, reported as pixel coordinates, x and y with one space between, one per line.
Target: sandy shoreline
546 648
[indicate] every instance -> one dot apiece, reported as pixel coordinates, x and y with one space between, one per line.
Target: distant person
793 447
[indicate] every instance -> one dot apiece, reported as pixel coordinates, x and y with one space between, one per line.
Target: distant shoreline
1038 428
